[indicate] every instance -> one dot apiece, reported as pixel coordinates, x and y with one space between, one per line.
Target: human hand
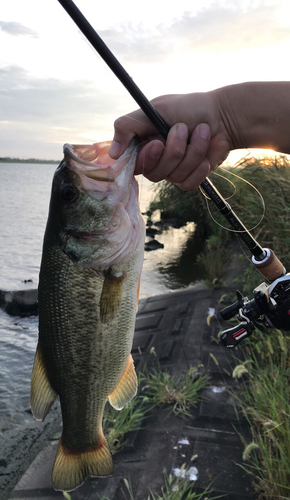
196 144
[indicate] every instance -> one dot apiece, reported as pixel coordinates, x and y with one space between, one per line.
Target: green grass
179 393
264 398
215 268
181 488
176 488
117 424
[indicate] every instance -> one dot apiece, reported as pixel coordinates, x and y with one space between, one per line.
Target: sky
54 88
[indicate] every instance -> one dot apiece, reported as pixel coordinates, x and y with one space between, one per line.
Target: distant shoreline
30 160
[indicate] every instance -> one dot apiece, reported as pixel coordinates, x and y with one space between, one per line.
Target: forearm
256 114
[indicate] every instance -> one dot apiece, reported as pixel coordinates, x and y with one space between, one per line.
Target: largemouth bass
88 292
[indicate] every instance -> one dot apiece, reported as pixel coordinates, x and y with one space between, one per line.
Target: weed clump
117 424
174 391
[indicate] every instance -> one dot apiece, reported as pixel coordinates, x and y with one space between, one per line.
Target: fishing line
251 185
247 182
242 249
229 181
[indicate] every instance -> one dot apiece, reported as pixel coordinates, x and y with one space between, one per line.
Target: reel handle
233 336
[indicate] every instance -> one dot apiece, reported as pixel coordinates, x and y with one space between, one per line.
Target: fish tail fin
71 468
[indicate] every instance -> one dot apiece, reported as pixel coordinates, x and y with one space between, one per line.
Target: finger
195 154
128 126
148 157
172 155
218 151
197 177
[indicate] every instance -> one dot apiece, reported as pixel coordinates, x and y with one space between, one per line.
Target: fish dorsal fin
111 295
126 388
42 394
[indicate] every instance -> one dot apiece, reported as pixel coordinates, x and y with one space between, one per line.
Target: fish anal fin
42 394
126 388
111 295
71 468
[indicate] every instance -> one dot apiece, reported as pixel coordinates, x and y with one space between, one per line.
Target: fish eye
69 193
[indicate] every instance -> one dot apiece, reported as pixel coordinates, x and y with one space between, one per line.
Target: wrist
256 114
233 116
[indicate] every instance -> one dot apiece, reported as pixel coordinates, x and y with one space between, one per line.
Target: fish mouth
94 165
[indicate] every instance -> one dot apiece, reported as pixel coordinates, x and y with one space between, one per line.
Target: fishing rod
265 298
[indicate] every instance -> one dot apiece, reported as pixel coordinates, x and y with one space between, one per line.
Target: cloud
215 28
230 28
45 113
136 44
24 97
13 28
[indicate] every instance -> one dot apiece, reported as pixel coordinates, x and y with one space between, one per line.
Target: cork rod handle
270 267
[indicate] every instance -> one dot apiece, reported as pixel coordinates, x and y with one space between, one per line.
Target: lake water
24 200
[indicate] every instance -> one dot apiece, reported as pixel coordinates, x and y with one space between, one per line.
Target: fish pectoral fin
126 388
42 394
71 468
111 296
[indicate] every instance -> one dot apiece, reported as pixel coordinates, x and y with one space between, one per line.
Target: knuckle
197 152
118 123
177 152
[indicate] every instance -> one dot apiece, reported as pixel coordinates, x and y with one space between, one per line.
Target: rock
170 222
153 245
150 231
20 302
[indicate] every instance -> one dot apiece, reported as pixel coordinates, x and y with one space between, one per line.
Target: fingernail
204 131
182 131
115 149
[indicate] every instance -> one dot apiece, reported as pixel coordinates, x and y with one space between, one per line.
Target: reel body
270 307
